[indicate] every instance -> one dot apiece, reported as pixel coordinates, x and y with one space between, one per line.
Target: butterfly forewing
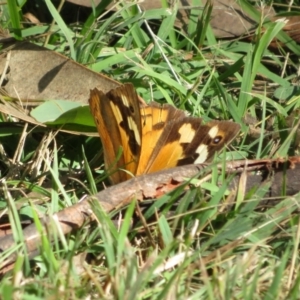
208 139
117 117
154 119
170 147
186 140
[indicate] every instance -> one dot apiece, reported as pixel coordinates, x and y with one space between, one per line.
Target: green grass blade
62 25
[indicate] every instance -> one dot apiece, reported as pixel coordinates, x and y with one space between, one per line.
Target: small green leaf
60 112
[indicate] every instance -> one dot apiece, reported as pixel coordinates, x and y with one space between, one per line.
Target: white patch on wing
187 133
203 154
213 131
117 111
125 100
133 126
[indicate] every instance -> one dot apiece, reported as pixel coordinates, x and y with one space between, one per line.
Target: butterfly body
153 137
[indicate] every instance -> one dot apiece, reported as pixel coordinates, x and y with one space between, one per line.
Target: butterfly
153 137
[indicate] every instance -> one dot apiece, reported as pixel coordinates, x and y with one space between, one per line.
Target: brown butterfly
153 137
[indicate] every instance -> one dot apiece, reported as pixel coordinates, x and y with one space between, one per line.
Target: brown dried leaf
36 73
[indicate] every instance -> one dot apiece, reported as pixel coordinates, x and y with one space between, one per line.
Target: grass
187 244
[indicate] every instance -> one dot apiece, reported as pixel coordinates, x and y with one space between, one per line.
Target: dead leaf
36 73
